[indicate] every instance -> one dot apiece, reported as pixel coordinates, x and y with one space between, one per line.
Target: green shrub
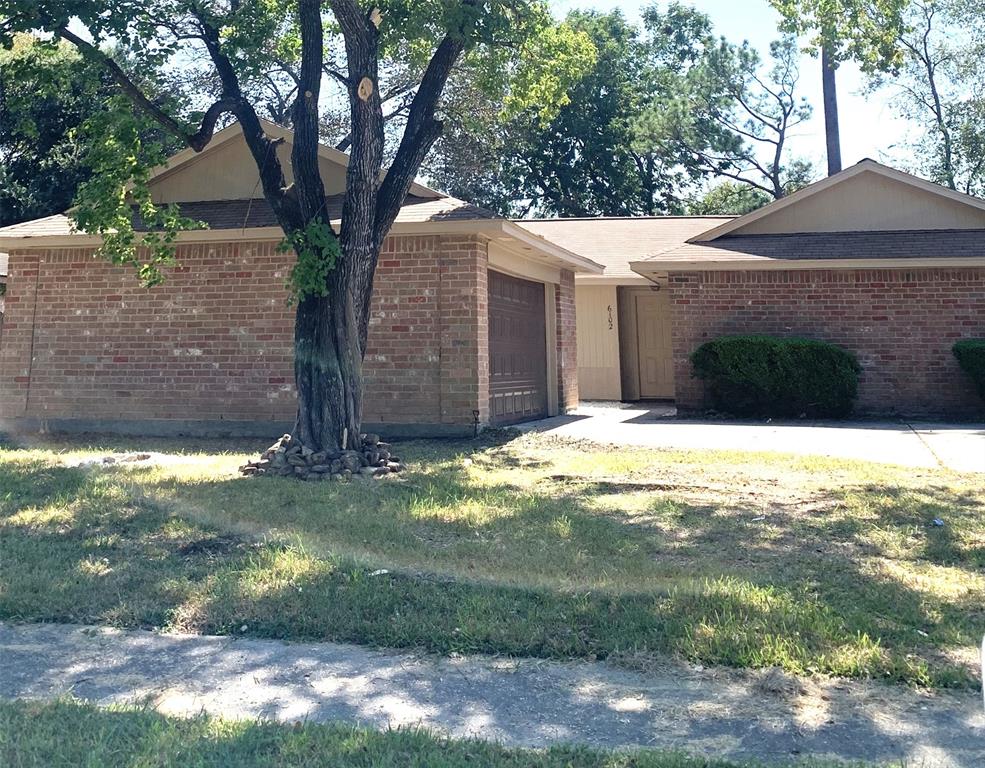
971 358
769 376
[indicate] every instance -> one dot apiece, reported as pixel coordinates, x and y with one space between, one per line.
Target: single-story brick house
474 317
883 263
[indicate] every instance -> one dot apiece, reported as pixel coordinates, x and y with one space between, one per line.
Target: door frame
550 325
629 349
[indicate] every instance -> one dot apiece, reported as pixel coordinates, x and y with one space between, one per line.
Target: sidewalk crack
925 444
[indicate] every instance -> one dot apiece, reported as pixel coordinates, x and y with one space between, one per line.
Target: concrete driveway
960 447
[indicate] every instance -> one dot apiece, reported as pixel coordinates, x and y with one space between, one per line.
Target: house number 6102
610 316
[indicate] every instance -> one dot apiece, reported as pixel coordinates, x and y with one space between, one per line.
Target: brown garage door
517 350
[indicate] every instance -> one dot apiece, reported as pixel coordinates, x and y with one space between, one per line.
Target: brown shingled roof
615 242
947 243
59 224
251 214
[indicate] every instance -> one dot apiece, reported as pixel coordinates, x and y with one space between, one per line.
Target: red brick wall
428 343
567 343
465 333
215 341
900 323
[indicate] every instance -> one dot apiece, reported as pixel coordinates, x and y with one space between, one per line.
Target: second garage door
517 350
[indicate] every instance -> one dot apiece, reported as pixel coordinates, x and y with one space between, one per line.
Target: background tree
235 45
940 87
729 198
865 31
586 161
733 121
47 93
41 163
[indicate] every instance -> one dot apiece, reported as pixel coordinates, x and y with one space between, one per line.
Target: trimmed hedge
771 376
971 358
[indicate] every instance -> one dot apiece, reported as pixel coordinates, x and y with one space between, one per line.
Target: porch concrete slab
959 447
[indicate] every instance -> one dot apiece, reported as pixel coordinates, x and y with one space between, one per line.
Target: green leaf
116 203
318 253
866 31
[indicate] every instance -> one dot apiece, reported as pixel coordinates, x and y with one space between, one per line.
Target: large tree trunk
328 374
831 129
331 332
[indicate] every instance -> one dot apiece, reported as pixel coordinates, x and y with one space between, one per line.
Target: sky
869 127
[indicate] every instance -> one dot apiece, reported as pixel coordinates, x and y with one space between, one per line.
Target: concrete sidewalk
960 447
716 712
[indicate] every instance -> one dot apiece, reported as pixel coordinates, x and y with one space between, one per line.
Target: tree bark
831 129
327 354
328 375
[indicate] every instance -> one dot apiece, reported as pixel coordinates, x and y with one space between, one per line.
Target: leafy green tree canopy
47 91
866 31
729 198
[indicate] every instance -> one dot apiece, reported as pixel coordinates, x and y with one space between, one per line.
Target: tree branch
262 148
344 145
304 153
332 72
419 136
197 141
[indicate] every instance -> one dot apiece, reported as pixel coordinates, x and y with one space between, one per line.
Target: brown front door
517 350
656 353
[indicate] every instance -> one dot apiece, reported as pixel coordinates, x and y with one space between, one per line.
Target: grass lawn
531 547
70 734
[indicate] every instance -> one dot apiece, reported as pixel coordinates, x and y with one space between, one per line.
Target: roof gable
869 197
225 169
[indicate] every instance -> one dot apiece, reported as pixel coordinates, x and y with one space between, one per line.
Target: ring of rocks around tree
288 458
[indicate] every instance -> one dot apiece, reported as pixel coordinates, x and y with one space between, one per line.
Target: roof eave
611 280
568 259
487 227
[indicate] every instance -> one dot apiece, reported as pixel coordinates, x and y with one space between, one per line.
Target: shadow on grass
940 518
79 548
7 442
